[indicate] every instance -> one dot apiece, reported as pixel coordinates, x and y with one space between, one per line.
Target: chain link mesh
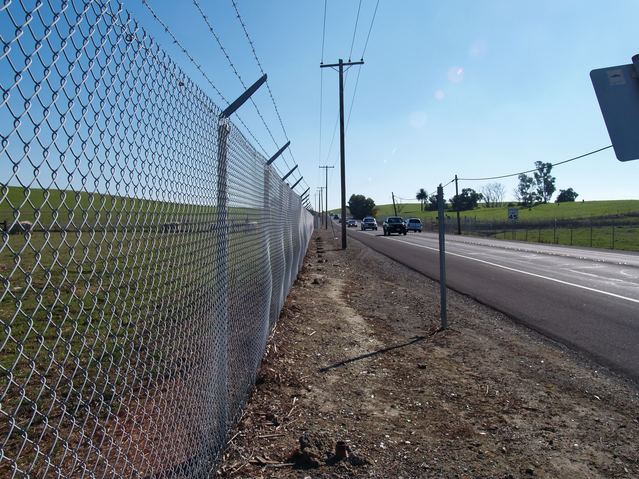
146 252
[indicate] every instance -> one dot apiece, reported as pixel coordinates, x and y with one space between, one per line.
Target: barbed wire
268 86
201 70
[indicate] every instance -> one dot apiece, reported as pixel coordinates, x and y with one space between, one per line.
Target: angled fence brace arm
289 173
296 183
232 108
277 155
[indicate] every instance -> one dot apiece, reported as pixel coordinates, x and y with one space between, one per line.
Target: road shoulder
356 357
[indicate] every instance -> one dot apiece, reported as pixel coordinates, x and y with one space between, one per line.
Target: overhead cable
370 29
359 7
535 169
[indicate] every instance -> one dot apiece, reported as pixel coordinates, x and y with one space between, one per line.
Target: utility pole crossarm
344 64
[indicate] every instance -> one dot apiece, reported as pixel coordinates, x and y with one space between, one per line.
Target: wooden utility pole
326 168
340 65
394 207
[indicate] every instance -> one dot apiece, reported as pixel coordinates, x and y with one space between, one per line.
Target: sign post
442 257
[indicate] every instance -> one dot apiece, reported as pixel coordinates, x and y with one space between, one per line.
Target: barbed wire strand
202 72
268 86
234 69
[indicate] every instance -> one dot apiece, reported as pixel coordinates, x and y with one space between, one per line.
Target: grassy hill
548 212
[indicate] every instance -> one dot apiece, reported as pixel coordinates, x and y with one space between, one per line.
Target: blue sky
473 88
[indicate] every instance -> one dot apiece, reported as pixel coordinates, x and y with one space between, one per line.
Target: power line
359 7
321 99
535 169
323 32
199 68
370 29
350 110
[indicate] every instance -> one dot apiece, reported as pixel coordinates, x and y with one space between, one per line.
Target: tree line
531 190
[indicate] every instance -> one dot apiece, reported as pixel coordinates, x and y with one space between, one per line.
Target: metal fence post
442 257
222 253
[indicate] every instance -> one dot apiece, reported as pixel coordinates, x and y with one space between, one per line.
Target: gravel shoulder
357 357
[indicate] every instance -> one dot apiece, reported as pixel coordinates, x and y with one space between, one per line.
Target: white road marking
618 296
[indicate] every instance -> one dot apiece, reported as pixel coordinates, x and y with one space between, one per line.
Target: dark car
394 224
414 224
369 223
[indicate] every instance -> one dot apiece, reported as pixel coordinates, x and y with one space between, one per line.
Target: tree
544 181
422 196
524 192
493 194
467 200
432 202
360 206
566 195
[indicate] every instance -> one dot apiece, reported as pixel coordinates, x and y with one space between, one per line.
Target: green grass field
548 212
88 312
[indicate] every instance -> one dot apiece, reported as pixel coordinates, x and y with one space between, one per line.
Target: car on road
351 224
369 223
414 224
394 224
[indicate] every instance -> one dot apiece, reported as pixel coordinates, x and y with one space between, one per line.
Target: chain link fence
143 259
620 231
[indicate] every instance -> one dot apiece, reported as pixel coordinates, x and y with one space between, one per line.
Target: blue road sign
617 90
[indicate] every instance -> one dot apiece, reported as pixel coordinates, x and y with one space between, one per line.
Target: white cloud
439 95
456 74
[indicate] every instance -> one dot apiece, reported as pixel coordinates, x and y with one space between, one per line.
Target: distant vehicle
335 217
368 223
414 224
394 224
351 224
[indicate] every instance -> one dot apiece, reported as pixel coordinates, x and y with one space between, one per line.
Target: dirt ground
357 357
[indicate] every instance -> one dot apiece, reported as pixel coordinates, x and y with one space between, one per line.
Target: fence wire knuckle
146 251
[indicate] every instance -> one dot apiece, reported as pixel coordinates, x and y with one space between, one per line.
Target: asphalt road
585 298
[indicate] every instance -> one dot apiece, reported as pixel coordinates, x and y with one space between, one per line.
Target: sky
473 88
